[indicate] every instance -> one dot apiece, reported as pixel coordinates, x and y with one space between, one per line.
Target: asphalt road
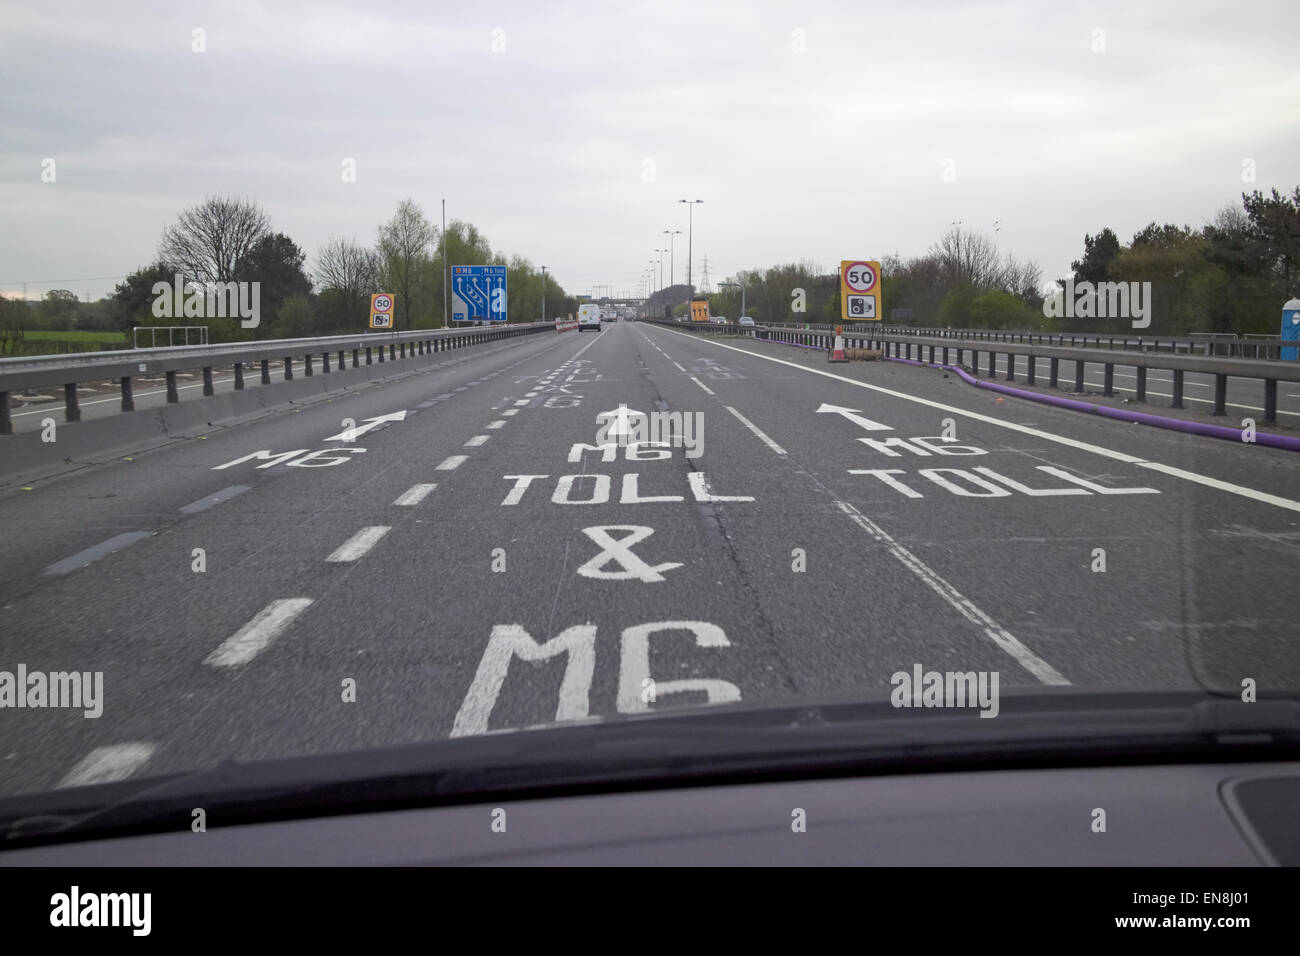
475 563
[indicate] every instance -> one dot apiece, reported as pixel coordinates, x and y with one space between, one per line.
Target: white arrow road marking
852 415
108 764
620 420
350 434
620 550
254 637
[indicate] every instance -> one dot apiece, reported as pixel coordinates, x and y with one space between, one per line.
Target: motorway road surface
275 589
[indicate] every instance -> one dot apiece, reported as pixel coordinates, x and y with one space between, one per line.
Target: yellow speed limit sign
859 290
381 310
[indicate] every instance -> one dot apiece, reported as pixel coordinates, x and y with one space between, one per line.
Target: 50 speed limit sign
859 290
381 310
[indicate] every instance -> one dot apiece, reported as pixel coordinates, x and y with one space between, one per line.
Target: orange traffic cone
837 353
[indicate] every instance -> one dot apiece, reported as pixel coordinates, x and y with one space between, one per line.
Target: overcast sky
568 131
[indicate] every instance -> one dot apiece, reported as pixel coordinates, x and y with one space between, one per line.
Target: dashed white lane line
679 368
511 411
702 385
530 394
108 765
414 495
83 558
1000 636
496 424
1110 453
522 401
214 499
757 431
476 441
452 463
360 543
255 636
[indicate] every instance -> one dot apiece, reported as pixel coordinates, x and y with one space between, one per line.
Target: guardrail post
356 357
1053 367
1270 400
239 376
381 355
288 368
343 360
1078 375
1178 389
6 423
266 371
1141 383
208 390
1108 379
172 395
1011 367
128 399
369 357
325 362
1220 394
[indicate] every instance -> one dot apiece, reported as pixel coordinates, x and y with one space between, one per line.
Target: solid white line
1023 429
452 463
476 441
1262 496
496 424
108 765
702 385
1000 636
415 494
360 543
757 431
254 637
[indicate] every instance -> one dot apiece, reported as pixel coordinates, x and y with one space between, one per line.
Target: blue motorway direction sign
478 293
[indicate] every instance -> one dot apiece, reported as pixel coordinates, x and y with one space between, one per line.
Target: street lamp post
543 293
690 227
672 273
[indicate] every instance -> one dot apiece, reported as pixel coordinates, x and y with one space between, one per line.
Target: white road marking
83 558
476 441
415 494
702 385
1229 487
452 463
962 604
757 431
496 424
360 543
214 499
522 401
511 411
108 765
679 368
255 636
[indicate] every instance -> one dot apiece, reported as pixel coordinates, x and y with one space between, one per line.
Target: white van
588 317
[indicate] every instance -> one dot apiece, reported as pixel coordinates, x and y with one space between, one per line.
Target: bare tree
207 240
404 242
1022 279
968 257
349 267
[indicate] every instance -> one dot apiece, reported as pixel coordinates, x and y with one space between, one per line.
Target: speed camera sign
859 290
381 310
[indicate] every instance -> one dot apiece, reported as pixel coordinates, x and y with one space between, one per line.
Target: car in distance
747 320
588 317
